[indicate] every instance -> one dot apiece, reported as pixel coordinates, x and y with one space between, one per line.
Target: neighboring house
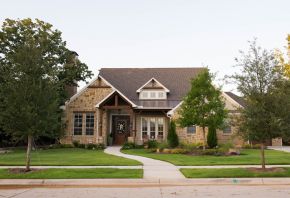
136 105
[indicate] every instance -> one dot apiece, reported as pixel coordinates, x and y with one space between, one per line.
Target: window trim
148 118
86 127
149 95
194 133
74 127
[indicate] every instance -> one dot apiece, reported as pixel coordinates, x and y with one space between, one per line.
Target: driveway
153 169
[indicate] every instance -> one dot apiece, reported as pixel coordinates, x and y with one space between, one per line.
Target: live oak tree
264 89
35 66
203 105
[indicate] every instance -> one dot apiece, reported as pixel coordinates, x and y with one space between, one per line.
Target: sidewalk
153 169
130 183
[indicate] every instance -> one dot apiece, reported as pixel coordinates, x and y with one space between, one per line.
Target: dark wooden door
120 129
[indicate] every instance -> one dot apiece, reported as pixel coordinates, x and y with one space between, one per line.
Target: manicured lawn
65 157
248 156
230 173
77 173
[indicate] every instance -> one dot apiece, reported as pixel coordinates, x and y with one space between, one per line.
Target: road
216 191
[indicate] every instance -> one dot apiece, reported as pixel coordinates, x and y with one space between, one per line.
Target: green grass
230 173
76 173
248 156
66 157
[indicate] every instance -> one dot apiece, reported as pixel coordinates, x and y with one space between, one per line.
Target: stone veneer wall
86 102
198 137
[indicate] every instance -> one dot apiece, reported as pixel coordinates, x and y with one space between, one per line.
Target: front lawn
230 173
65 157
76 173
248 156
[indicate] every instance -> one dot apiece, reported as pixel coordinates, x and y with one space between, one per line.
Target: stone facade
85 102
197 137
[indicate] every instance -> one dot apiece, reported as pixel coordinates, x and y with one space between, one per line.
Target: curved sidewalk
153 169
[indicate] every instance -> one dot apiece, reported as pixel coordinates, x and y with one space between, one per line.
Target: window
152 127
160 123
144 128
78 123
191 129
90 118
152 94
227 130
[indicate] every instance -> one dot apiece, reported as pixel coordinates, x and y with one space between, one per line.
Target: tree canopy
35 66
203 105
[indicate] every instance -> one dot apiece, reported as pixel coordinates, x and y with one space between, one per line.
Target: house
136 105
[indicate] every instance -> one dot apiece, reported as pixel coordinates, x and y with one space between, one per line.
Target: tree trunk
263 156
203 134
29 144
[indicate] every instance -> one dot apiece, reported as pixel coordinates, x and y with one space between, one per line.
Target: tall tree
203 105
260 80
33 73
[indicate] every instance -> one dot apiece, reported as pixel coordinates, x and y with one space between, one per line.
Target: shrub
128 145
76 143
179 151
81 146
90 146
191 146
152 144
163 145
172 137
211 137
227 145
252 146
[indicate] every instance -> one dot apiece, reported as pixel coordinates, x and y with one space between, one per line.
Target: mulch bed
22 170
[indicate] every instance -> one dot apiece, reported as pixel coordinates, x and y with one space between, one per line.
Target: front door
120 128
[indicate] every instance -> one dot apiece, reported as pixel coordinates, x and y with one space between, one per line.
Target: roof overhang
153 79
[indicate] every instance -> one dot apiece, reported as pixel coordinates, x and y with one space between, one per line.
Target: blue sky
160 33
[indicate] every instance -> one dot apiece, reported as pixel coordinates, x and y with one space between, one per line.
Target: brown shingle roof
237 98
129 80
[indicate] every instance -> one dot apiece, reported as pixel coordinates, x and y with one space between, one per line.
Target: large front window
78 123
152 128
90 123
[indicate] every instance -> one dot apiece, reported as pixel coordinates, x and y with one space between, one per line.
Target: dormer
153 90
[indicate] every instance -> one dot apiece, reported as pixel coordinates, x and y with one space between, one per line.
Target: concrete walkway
280 148
153 169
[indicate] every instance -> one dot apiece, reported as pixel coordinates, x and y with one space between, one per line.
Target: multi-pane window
144 128
152 94
78 123
152 127
90 118
191 129
160 124
227 130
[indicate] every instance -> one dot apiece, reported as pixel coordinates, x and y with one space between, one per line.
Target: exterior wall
86 102
198 137
138 138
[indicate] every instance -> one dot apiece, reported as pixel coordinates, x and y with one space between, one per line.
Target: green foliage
190 146
152 144
76 143
203 105
163 145
128 145
35 66
211 137
172 137
251 146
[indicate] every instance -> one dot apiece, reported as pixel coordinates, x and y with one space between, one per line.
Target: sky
160 33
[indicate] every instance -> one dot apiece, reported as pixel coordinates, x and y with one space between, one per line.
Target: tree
203 105
172 137
260 81
280 57
35 66
211 137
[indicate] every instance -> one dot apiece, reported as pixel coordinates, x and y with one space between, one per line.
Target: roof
237 98
129 80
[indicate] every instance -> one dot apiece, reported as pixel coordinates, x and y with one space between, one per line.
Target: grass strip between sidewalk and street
232 173
77 173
